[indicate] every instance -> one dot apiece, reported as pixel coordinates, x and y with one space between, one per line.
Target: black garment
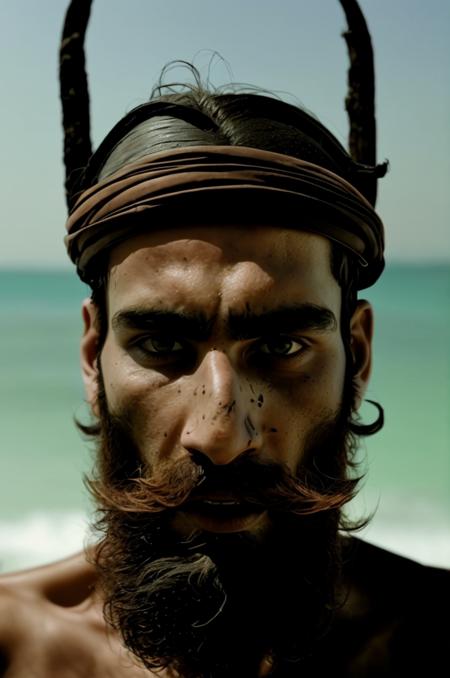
394 621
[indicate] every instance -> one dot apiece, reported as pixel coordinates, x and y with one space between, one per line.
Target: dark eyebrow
248 325
299 317
191 325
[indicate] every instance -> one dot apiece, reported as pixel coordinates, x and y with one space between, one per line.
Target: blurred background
293 48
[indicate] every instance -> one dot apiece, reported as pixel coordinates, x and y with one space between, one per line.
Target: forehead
206 268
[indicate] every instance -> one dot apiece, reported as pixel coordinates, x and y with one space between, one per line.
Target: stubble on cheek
148 405
309 403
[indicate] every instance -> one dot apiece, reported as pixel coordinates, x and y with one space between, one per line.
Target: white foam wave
40 538
411 526
428 546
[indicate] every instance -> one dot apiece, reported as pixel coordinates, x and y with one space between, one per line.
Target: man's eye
281 346
160 345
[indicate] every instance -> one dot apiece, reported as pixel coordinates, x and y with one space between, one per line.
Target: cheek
313 397
146 401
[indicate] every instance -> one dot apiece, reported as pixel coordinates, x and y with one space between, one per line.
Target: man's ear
361 333
90 354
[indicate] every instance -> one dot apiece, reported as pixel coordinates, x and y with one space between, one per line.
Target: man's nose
221 420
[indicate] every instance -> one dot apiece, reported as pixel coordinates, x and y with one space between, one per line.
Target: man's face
221 344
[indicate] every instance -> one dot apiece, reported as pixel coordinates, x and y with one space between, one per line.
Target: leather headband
229 185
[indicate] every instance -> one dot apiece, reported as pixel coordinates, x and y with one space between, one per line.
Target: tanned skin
51 625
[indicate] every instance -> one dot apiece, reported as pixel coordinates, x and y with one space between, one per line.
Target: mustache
248 480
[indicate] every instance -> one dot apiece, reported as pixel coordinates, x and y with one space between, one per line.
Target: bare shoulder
65 582
51 623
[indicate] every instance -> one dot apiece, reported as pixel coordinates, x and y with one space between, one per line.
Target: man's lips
219 504
216 497
222 513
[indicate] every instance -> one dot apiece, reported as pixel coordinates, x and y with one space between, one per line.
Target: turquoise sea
43 505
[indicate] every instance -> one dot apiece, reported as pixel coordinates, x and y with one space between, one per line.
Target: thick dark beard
213 606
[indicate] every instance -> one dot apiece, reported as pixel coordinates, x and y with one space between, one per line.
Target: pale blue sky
292 46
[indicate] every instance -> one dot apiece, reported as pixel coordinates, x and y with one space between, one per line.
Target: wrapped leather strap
229 185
